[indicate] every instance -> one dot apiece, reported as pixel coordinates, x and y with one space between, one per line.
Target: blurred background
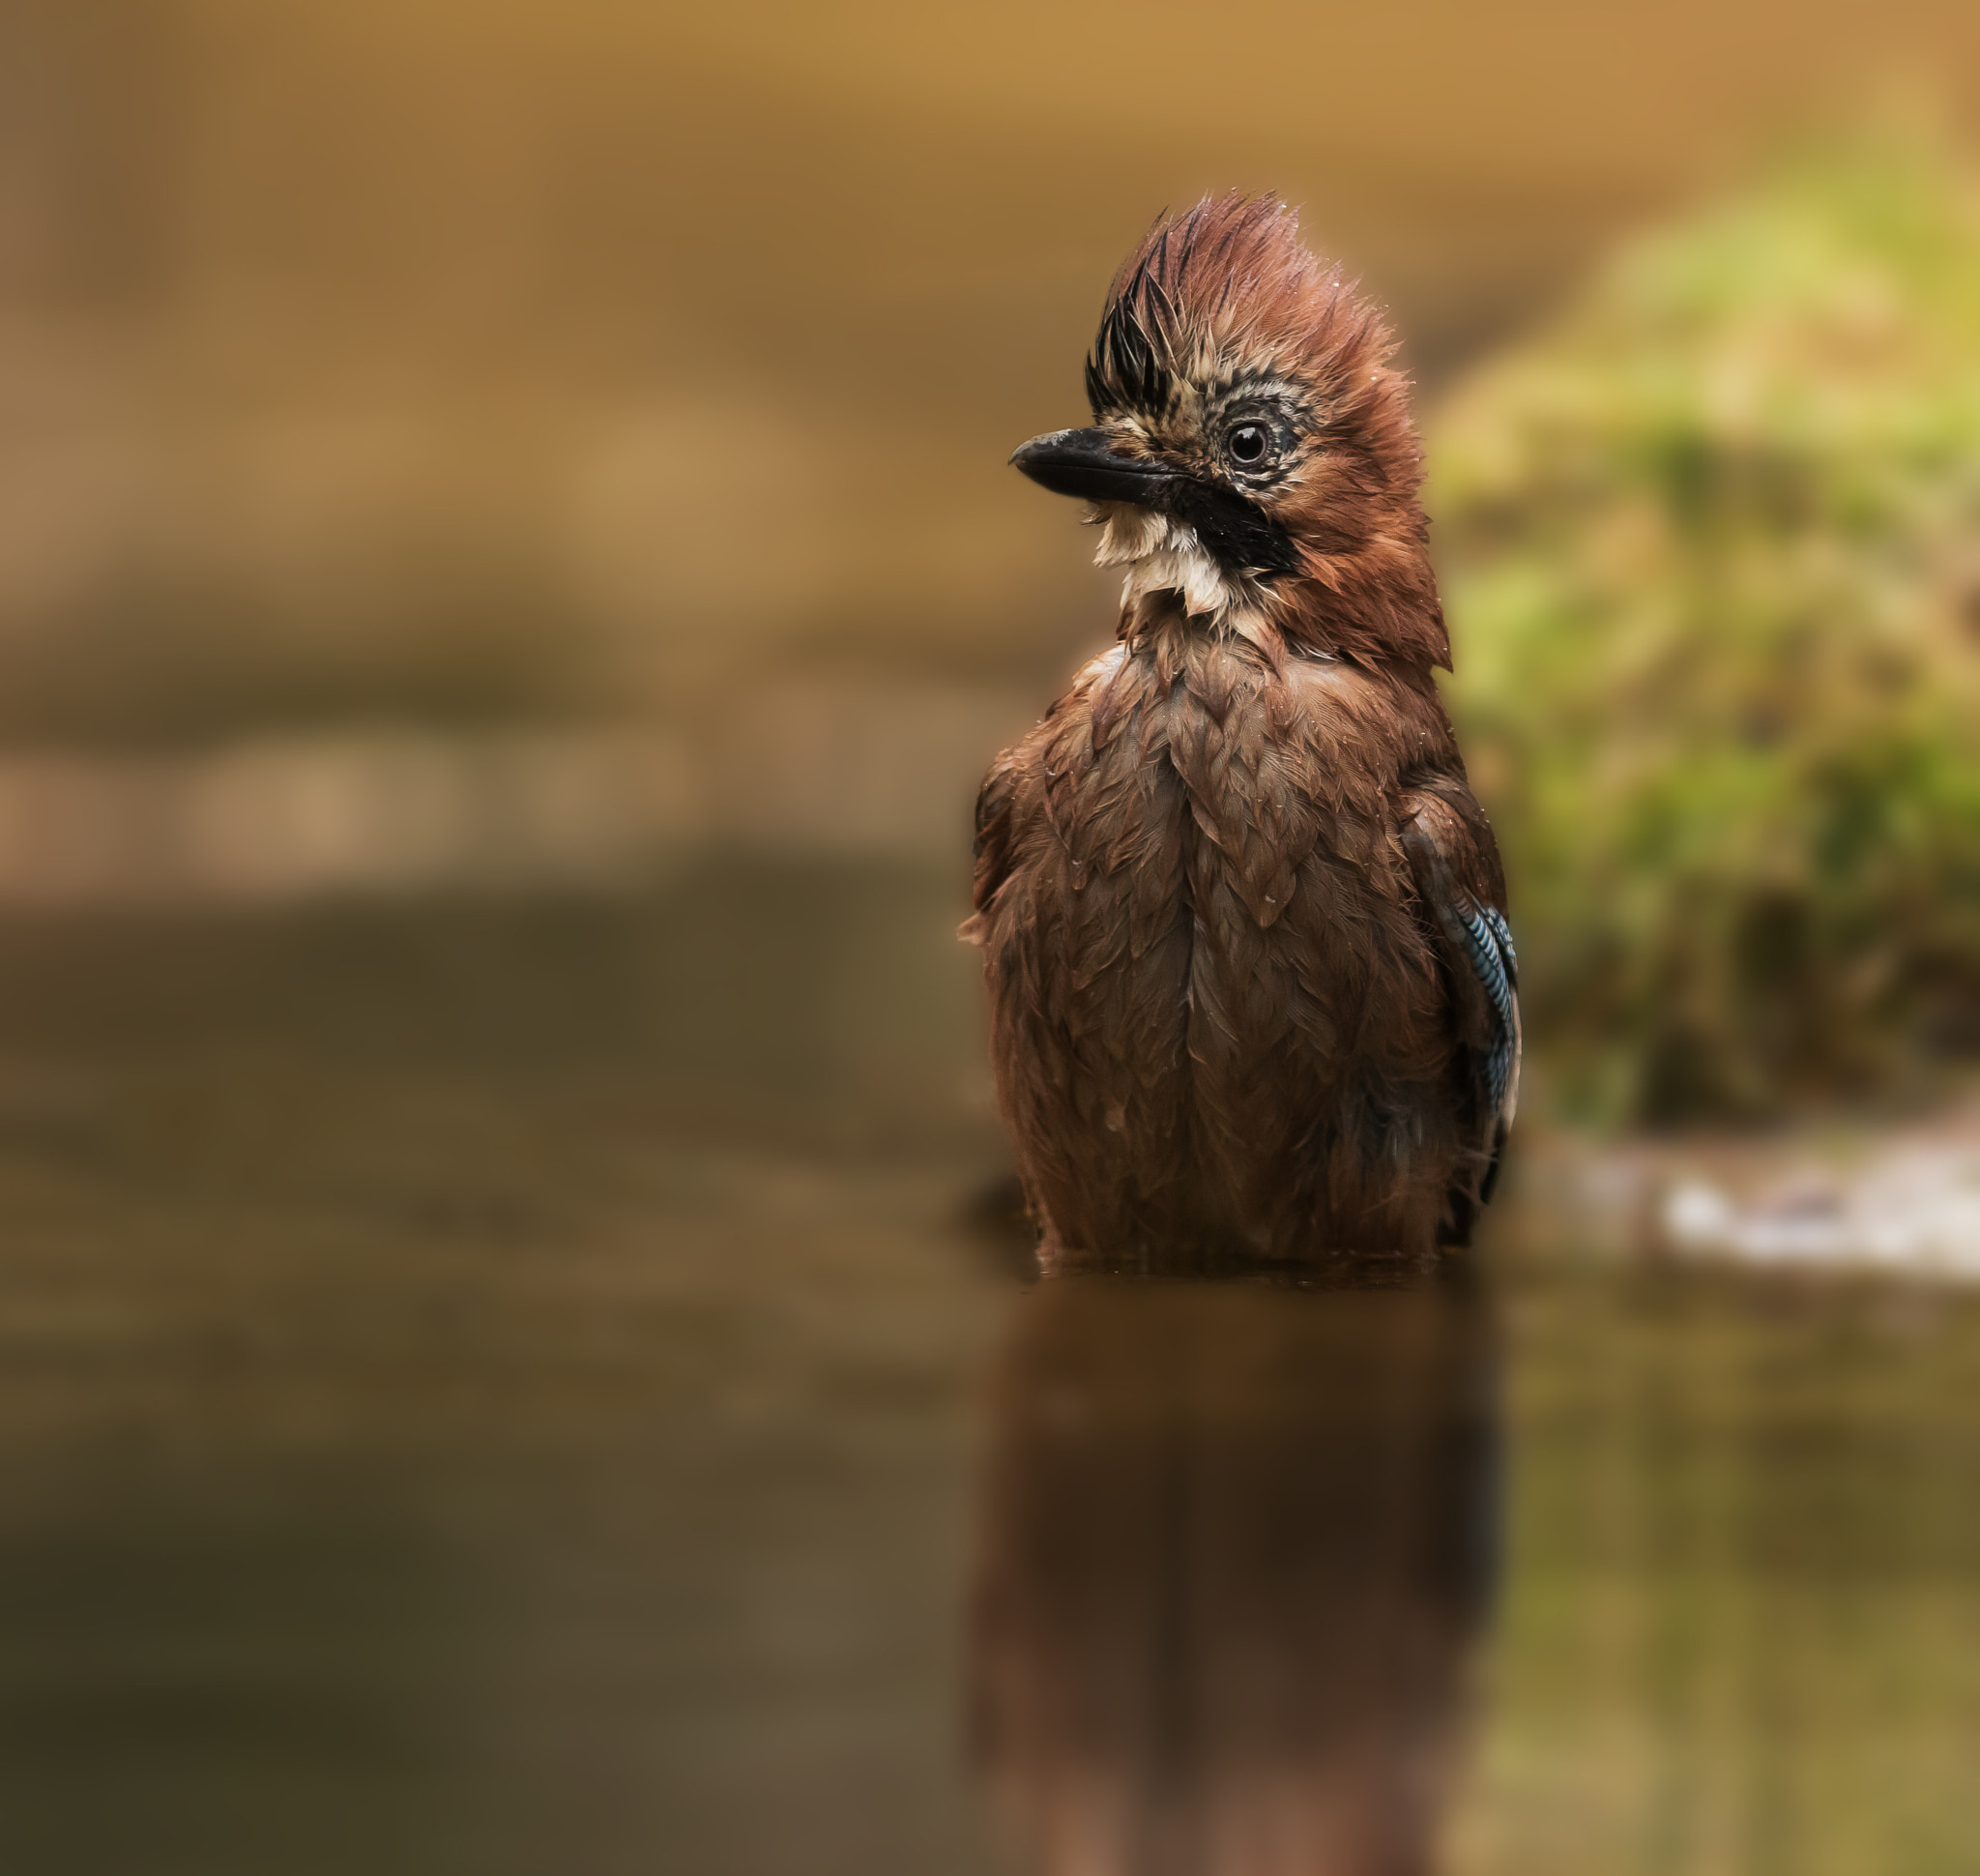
508 579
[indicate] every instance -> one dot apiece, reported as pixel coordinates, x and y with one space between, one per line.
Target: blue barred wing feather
1455 866
1488 941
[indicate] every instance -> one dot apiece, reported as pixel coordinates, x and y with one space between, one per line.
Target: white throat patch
1163 555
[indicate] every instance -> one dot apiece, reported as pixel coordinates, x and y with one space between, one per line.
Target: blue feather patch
1489 942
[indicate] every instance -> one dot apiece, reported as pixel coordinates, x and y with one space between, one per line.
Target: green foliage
1711 546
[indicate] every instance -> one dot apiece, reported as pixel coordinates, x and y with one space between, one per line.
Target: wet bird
1252 990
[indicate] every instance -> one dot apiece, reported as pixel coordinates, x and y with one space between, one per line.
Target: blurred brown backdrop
491 1380
505 360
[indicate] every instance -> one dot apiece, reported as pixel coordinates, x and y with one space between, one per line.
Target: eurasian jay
1252 990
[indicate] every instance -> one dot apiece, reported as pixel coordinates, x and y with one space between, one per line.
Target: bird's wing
1454 861
992 846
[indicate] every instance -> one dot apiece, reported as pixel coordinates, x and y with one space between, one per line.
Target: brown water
518 1387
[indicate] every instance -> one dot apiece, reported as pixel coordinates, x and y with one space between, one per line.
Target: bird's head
1251 450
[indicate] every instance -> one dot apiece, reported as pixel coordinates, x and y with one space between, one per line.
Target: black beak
1231 526
1083 463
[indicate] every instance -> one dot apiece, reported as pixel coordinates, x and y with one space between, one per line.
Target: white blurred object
353 813
849 769
1912 1207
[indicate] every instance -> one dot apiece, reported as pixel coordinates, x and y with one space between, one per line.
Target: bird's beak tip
1084 463
1040 449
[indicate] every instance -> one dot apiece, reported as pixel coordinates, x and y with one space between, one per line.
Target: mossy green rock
1711 549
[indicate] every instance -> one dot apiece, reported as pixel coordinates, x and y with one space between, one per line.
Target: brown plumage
1251 989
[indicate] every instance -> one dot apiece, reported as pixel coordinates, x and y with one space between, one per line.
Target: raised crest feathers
1230 276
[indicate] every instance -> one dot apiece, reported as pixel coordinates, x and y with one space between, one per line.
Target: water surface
521 1386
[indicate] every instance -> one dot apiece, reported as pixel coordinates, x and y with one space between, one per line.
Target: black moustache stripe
1235 532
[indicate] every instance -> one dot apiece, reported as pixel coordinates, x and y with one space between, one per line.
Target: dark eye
1248 444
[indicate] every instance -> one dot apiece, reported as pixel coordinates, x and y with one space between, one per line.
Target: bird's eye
1248 444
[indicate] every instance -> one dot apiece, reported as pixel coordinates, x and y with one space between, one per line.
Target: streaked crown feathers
1228 282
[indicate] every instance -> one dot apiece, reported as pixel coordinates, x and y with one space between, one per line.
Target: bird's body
1251 989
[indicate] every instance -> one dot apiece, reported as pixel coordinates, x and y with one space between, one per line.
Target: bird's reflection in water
1236 1542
